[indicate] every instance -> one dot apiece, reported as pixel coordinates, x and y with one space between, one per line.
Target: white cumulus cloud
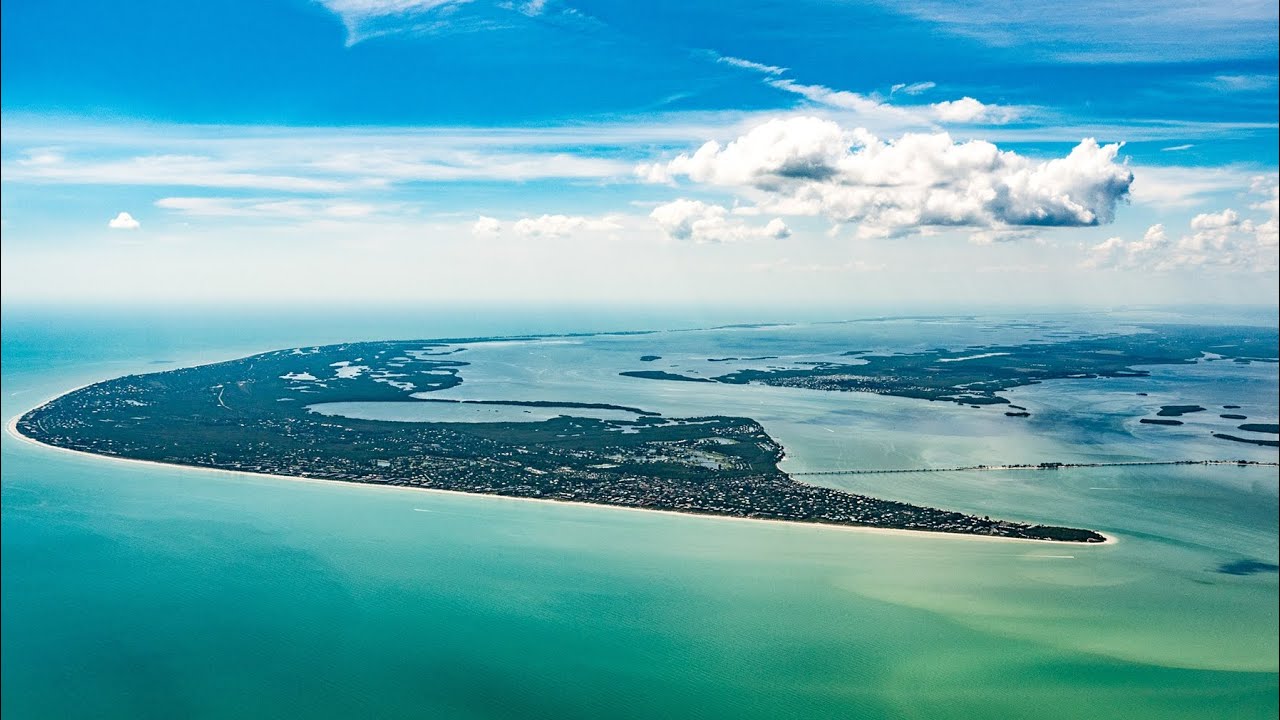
1222 239
969 110
561 225
701 222
486 227
811 166
124 221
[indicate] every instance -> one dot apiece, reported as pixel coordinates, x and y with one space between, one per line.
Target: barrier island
271 413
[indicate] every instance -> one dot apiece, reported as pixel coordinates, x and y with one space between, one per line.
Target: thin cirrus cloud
170 170
915 88
283 209
1222 240
1241 83
1169 187
965 110
300 165
366 19
369 18
811 166
1109 30
750 65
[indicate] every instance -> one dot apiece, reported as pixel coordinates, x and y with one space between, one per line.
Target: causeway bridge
1037 466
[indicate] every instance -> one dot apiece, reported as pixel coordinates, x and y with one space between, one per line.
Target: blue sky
419 150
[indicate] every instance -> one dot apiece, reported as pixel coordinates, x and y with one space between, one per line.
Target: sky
802 153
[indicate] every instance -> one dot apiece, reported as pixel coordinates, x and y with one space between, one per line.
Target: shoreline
11 428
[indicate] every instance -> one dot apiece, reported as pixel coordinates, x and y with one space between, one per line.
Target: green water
139 592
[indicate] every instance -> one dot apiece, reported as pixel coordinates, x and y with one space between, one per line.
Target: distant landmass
977 375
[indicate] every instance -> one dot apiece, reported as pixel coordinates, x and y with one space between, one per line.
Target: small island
662 375
1178 410
296 413
1249 441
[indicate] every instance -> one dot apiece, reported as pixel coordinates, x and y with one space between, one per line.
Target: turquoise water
140 591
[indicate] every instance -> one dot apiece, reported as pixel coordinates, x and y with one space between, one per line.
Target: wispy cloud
308 162
364 19
749 65
173 171
864 106
1241 83
1168 187
874 108
368 19
1110 30
915 88
273 208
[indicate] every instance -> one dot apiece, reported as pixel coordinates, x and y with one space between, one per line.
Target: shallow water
139 591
